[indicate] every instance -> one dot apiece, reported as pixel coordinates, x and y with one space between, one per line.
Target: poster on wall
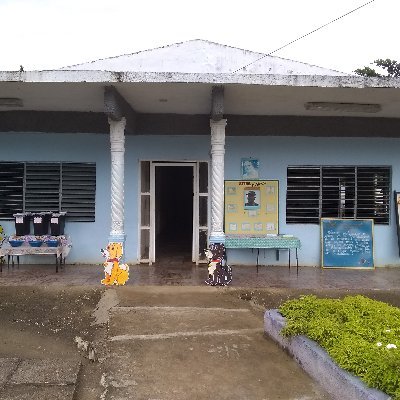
250 168
251 207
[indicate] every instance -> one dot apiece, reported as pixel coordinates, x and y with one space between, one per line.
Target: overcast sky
49 34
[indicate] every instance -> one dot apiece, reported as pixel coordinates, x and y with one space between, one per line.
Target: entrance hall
174 212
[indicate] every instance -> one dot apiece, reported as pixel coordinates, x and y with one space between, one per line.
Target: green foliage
367 71
355 331
392 68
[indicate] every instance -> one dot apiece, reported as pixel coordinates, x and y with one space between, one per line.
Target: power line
307 34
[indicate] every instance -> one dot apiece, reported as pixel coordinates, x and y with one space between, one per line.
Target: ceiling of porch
181 103
195 98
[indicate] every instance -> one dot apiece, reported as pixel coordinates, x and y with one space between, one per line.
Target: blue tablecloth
262 242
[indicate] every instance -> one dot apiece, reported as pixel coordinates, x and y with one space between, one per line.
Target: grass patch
360 334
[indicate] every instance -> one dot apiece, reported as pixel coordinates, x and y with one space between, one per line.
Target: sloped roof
202 56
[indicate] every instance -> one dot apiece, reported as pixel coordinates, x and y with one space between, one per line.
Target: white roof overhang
190 93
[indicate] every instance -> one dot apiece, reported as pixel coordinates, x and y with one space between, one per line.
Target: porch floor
184 273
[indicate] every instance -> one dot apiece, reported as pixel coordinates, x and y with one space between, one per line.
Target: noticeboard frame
259 219
369 263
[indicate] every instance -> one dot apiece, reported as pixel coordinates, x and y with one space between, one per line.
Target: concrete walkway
34 379
176 343
170 336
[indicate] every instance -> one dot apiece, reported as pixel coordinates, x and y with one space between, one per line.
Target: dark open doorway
174 212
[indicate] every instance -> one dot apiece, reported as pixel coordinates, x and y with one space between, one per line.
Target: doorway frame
198 229
153 166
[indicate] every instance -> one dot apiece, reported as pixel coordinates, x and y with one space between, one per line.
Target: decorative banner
251 207
114 272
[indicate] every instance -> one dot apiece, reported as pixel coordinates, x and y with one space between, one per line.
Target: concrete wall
274 153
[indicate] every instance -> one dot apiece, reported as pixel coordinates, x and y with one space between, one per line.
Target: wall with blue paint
274 153
89 237
154 148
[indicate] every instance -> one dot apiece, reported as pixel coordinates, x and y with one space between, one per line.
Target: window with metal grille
11 189
57 187
353 192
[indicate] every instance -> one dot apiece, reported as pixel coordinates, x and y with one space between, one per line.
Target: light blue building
127 143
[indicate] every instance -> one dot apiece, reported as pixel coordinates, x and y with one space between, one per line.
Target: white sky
48 34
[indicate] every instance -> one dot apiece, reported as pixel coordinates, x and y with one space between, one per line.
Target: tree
392 68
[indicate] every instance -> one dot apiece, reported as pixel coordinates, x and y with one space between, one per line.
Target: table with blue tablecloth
275 242
60 251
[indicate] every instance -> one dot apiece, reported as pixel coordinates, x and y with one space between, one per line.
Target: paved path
195 343
172 337
36 379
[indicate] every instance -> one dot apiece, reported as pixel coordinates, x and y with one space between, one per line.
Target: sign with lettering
347 243
251 207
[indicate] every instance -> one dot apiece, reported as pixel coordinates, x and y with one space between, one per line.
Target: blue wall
274 153
89 237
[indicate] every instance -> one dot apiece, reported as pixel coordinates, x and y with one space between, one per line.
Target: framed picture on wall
251 199
250 168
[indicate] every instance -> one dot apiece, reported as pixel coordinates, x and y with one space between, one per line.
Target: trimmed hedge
360 334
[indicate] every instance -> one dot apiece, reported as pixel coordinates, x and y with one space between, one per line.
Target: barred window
353 192
35 187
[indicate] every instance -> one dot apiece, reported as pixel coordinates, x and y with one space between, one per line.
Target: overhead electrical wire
307 34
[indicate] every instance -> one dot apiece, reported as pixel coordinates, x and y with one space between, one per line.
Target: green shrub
360 334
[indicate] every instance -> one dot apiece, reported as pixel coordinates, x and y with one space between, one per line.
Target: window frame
49 186
338 191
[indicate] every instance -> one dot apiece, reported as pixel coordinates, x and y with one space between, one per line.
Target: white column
117 139
217 234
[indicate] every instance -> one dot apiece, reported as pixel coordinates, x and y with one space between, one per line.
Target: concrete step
141 321
177 296
179 343
37 379
234 366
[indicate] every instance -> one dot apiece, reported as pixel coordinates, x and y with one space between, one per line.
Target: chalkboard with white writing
347 243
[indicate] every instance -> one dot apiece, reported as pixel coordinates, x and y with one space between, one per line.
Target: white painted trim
87 77
139 213
196 222
196 228
152 244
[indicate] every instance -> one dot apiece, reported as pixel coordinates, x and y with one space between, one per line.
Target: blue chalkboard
347 243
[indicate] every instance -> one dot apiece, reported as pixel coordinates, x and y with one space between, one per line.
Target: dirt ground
43 322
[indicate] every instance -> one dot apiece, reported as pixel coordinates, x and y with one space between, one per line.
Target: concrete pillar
217 234
117 140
